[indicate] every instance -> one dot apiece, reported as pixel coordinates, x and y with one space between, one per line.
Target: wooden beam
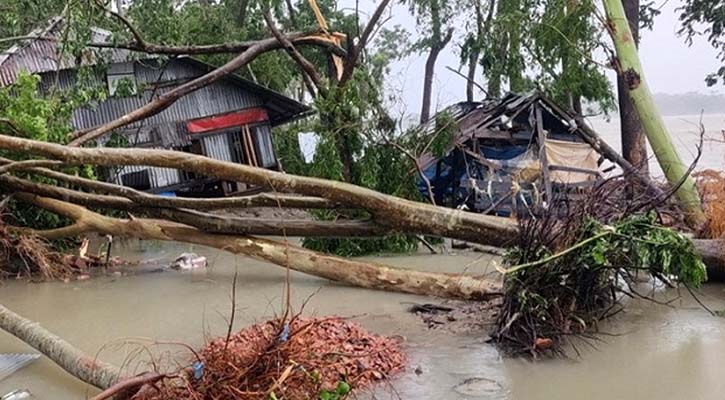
542 155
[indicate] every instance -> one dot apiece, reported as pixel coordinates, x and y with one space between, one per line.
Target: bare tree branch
354 54
167 99
357 273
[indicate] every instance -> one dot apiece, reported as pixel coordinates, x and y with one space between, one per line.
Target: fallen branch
167 99
129 385
213 223
357 273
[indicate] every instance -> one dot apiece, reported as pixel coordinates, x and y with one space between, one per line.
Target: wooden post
542 156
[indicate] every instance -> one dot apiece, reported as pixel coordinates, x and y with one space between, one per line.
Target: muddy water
663 353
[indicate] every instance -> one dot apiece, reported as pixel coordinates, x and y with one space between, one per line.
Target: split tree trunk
430 66
472 64
634 143
630 69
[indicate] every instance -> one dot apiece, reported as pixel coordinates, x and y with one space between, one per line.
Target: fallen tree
75 362
358 273
388 211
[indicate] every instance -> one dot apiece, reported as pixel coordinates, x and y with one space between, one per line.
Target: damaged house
507 157
231 119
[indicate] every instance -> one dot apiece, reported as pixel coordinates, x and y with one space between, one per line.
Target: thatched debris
30 257
711 185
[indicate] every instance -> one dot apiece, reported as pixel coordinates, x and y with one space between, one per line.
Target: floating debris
189 261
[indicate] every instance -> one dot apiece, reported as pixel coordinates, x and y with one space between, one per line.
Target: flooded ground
663 353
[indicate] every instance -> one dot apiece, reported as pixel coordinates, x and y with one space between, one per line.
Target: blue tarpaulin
454 169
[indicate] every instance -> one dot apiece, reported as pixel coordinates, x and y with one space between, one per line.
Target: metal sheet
10 363
218 147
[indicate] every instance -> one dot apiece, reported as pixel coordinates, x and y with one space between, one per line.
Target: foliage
544 44
710 13
340 392
44 117
552 296
351 120
18 17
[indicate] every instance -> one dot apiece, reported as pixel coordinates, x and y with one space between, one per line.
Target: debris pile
298 360
569 272
27 256
711 185
30 257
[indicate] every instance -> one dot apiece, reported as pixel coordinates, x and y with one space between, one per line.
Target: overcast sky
670 65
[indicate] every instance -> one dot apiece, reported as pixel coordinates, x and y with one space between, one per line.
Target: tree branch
75 362
167 99
357 273
213 223
150 200
307 68
354 54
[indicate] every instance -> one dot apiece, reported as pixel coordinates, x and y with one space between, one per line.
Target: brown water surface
664 353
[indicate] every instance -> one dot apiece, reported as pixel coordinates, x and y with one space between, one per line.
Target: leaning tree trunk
634 143
629 67
81 365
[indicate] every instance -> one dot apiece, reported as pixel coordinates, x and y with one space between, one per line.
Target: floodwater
662 353
685 133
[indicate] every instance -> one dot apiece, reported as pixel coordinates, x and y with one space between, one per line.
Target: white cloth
571 154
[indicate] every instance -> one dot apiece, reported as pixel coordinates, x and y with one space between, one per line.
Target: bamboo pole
629 67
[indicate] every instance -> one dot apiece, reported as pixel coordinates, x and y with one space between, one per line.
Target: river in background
662 353
685 133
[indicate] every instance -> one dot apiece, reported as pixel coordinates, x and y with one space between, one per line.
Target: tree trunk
357 273
388 211
472 64
84 367
713 255
634 143
629 67
430 65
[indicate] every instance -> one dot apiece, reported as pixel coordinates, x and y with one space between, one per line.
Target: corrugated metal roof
42 57
472 117
36 56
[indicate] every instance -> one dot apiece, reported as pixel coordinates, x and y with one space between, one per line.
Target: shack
230 120
507 157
